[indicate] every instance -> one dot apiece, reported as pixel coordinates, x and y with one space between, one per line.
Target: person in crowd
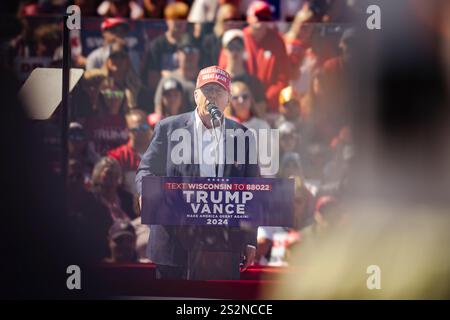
140 130
318 111
17 43
81 150
85 95
314 155
337 68
300 49
107 188
89 218
121 8
266 53
122 243
242 107
212 42
172 99
233 47
304 202
48 39
188 58
162 55
118 67
114 30
129 155
342 148
106 128
289 108
274 242
289 138
336 74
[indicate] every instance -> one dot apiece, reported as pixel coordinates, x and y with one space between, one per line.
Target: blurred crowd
289 61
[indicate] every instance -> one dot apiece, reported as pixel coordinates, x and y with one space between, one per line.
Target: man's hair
176 11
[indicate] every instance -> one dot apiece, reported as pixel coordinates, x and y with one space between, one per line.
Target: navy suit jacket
169 245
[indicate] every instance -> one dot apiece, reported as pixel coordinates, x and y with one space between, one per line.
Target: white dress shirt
206 150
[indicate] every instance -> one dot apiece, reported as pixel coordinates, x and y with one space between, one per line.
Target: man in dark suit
200 252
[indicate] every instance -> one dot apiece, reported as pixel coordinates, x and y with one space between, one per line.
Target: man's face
258 27
212 92
138 129
176 26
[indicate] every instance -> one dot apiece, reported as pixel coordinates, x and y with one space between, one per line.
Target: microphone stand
218 139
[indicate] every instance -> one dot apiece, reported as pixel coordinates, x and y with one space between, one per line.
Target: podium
205 224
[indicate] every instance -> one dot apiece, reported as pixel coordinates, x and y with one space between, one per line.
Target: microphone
214 112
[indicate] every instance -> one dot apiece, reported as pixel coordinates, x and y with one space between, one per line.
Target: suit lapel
230 169
191 169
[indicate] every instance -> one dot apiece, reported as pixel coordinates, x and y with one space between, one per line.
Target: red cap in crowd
261 10
153 119
112 22
213 74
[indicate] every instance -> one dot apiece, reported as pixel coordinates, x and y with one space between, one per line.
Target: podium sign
231 202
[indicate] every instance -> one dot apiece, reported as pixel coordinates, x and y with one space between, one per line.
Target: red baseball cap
260 9
112 22
213 74
153 119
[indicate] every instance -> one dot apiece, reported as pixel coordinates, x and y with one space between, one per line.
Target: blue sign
217 201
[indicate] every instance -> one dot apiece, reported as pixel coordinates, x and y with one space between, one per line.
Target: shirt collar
199 123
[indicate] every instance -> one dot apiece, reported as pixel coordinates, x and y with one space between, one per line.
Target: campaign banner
224 201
